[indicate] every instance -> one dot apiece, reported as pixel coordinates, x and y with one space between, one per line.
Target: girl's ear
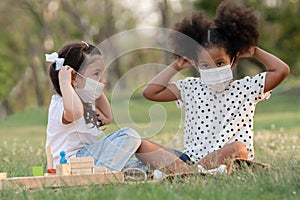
73 78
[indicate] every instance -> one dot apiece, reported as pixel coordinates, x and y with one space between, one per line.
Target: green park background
31 28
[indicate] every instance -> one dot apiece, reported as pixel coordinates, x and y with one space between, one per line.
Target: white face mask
91 91
217 78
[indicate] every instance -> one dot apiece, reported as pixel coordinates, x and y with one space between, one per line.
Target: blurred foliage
30 28
279 26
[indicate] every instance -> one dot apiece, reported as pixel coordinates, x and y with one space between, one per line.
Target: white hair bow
53 57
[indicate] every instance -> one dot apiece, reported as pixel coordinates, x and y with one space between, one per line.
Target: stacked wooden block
79 166
78 172
84 165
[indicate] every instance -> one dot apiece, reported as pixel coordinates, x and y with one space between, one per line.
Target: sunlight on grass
276 141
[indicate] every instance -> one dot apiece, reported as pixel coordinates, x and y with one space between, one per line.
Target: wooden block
61 181
100 170
49 155
82 160
82 171
49 174
63 169
82 165
3 175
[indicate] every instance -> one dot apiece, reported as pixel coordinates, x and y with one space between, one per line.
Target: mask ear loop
233 60
74 77
80 74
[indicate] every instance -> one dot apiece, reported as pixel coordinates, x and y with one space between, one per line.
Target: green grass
277 131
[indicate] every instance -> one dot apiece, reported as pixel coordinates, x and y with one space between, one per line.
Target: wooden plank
61 181
100 169
82 165
49 155
81 159
82 171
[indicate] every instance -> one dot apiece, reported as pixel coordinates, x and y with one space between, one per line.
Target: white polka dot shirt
215 119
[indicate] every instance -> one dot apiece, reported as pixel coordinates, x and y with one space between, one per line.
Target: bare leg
159 158
224 155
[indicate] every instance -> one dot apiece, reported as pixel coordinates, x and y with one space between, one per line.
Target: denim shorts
182 156
114 150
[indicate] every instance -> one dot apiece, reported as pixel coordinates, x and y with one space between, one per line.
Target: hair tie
53 57
86 44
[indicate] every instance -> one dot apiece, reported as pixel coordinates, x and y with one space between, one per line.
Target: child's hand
65 74
183 62
248 53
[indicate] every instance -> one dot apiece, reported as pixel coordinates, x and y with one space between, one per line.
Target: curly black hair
75 54
185 39
234 28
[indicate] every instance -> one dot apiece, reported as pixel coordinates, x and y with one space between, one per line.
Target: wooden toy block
3 175
61 181
49 155
83 165
63 169
100 170
82 171
82 160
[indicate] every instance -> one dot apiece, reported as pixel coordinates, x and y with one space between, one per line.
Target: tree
279 27
44 26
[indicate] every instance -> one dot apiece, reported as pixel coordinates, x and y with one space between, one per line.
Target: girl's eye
204 66
220 64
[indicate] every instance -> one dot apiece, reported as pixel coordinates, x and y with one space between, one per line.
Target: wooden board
61 181
82 160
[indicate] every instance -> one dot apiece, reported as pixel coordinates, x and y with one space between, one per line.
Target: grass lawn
277 131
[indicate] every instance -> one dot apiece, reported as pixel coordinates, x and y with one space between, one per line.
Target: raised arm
160 88
277 70
73 108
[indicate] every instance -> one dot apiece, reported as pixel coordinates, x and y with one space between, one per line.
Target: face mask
217 78
91 91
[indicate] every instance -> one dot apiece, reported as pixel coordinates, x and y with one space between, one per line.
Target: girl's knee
132 134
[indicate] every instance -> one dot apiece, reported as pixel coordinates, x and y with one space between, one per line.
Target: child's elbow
147 94
283 71
286 70
107 120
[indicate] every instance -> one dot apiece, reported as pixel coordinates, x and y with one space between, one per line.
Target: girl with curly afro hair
219 111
